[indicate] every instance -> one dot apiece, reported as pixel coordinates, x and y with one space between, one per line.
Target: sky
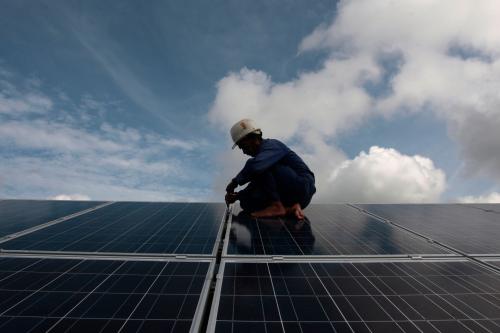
386 101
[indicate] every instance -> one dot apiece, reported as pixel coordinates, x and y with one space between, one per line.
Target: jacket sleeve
269 155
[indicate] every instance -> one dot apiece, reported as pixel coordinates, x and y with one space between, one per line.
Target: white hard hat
242 128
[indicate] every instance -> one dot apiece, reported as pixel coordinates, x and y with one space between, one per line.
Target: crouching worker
280 183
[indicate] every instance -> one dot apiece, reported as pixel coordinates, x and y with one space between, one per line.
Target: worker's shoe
275 209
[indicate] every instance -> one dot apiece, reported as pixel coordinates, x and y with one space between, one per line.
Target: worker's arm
231 186
270 153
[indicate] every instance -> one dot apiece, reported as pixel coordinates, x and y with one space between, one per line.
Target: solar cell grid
463 227
17 215
329 230
376 297
77 295
131 227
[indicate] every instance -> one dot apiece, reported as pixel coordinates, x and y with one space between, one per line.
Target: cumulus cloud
75 196
384 175
325 102
385 57
493 197
451 66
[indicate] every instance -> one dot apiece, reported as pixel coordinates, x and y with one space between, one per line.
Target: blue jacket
271 152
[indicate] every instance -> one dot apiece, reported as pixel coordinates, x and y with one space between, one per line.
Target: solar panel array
193 267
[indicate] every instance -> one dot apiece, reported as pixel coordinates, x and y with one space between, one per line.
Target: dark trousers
279 183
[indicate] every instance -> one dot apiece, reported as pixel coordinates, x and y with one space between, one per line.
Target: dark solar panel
17 215
132 227
463 227
357 297
328 230
57 295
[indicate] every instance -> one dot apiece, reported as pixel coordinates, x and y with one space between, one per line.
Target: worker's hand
231 186
231 197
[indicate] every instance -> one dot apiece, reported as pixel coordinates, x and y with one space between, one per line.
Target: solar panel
17 215
342 269
328 230
132 227
454 296
489 208
56 295
463 227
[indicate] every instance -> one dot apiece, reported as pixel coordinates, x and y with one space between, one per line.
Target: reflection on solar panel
17 215
358 297
132 227
329 230
463 227
59 295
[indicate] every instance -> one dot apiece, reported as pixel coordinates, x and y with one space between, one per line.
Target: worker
280 183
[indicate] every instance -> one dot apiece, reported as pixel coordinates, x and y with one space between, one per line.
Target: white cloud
95 176
445 58
493 197
412 25
451 66
15 102
75 196
384 175
180 144
70 149
44 134
325 102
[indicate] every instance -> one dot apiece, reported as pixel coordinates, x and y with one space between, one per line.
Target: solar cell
451 296
69 295
132 227
463 227
328 230
17 215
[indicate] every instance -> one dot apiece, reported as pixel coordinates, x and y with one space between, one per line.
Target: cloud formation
384 58
52 145
450 67
493 197
386 176
14 102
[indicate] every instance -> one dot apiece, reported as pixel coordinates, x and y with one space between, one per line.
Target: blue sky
123 100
